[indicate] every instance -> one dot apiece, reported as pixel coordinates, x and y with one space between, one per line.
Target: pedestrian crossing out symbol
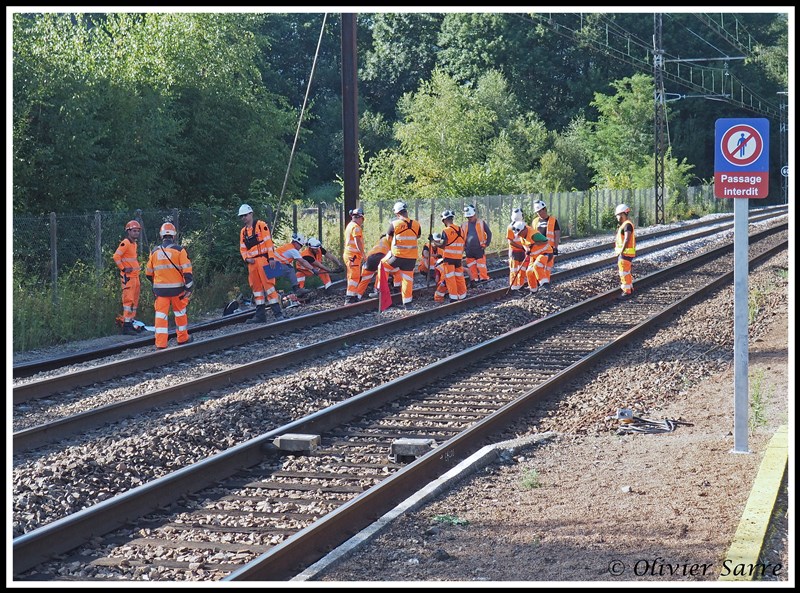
741 145
741 160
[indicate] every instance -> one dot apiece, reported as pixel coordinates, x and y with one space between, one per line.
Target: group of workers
390 263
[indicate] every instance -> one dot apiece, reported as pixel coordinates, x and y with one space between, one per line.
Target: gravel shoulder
592 505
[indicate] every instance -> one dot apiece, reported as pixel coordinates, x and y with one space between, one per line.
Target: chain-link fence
44 246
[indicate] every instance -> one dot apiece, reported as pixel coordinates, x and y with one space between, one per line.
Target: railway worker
516 254
289 254
477 236
537 253
370 266
428 258
438 271
353 254
170 271
313 253
547 225
404 233
451 242
625 249
257 250
126 258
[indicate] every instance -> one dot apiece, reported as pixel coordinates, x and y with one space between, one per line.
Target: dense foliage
163 110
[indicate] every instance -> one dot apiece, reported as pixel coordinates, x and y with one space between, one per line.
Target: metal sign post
741 170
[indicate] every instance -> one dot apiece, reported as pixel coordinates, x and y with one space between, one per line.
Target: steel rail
67 533
36 436
74 379
29 368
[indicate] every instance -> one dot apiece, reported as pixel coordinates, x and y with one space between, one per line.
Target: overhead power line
718 82
738 37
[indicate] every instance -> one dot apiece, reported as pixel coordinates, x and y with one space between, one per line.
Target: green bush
85 305
583 224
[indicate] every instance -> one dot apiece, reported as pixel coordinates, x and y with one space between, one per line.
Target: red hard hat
133 224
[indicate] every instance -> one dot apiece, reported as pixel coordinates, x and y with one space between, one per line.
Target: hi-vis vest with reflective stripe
551 229
169 269
535 249
480 228
352 232
512 237
263 248
454 243
630 250
383 246
280 253
125 257
404 239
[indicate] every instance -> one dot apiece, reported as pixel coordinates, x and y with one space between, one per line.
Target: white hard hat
516 215
167 229
622 208
539 205
356 212
469 210
299 238
437 238
448 214
399 207
244 209
518 226
314 243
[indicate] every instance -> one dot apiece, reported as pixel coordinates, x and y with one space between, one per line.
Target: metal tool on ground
632 424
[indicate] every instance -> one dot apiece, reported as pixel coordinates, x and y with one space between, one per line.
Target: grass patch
530 480
450 520
759 393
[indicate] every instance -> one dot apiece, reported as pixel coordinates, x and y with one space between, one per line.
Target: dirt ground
604 507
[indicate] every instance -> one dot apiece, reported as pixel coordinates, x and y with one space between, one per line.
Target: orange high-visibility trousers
162 306
131 288
477 268
625 276
263 288
454 280
516 270
538 272
353 267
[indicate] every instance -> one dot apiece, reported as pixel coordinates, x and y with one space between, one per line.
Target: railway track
231 374
47 385
272 512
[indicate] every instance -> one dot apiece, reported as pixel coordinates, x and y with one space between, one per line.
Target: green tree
142 110
621 139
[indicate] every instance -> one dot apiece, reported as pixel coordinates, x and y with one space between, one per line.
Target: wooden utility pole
349 112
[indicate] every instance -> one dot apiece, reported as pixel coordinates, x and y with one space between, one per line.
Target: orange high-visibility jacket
353 240
405 233
383 246
259 238
551 228
169 269
125 257
453 243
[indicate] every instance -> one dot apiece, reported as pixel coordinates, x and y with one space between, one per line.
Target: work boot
299 290
128 329
260 316
276 310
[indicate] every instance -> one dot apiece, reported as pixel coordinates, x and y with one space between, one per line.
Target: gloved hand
187 295
430 238
555 250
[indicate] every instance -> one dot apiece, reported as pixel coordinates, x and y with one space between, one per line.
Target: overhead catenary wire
746 99
300 119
